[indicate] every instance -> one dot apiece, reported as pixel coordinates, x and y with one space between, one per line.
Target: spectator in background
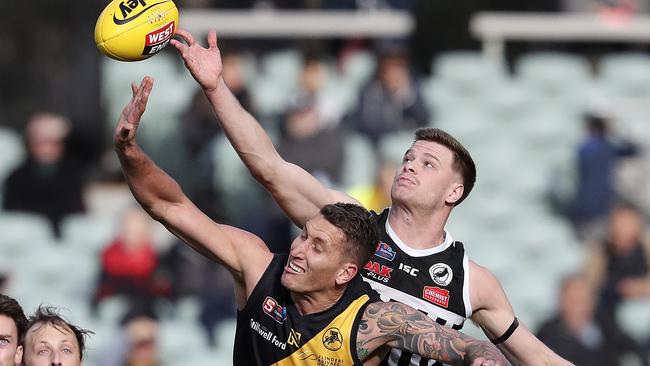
142 333
129 263
137 343
52 340
573 333
619 270
13 325
193 275
49 182
307 143
392 101
312 82
595 192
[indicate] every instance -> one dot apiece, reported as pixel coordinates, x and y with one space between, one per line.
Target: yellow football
133 30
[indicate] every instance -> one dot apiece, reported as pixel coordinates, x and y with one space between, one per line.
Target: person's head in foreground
13 324
332 248
436 171
52 340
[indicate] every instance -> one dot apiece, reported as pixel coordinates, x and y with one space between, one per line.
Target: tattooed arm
401 326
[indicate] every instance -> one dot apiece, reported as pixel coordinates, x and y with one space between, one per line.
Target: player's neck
418 230
316 302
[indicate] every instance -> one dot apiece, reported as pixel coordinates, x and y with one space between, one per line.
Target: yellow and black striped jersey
271 331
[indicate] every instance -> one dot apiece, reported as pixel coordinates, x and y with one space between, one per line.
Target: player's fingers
179 46
186 36
134 88
212 39
145 90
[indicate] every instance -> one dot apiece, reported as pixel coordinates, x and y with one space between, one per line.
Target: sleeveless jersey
434 281
271 331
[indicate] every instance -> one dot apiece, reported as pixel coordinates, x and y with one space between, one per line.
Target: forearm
151 186
244 132
400 326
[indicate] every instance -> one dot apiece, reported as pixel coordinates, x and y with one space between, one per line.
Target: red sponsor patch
160 35
436 295
378 268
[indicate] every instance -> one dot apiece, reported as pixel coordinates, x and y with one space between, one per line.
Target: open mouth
294 268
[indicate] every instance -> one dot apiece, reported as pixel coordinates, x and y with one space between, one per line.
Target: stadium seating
625 74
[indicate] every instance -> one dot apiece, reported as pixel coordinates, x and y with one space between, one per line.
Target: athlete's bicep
300 194
496 317
236 249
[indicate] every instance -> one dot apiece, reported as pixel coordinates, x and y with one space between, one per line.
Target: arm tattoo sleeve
401 326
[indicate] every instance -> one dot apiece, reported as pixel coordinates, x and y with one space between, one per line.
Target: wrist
220 85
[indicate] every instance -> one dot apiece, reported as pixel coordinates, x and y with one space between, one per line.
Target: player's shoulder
482 279
485 289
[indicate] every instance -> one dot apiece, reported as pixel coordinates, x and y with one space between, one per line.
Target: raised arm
164 200
401 326
494 314
298 193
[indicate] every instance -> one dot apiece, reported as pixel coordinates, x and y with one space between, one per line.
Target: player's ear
347 273
18 358
455 193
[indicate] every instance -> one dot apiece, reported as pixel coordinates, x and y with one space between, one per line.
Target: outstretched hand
203 63
131 114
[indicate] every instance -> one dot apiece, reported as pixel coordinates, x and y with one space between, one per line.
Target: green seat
360 161
282 68
88 233
634 318
468 73
392 147
552 72
557 79
358 67
20 229
625 74
12 151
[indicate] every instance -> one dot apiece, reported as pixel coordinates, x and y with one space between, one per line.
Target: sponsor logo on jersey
441 274
332 339
436 295
274 310
294 338
321 360
385 251
409 269
378 271
267 334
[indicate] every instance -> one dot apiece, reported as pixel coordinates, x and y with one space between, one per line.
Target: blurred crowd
66 161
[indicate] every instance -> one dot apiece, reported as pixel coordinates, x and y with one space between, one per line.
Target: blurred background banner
551 98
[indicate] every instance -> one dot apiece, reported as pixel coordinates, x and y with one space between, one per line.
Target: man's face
47 345
426 177
316 257
10 352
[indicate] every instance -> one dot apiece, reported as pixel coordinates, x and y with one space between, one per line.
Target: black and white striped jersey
434 281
